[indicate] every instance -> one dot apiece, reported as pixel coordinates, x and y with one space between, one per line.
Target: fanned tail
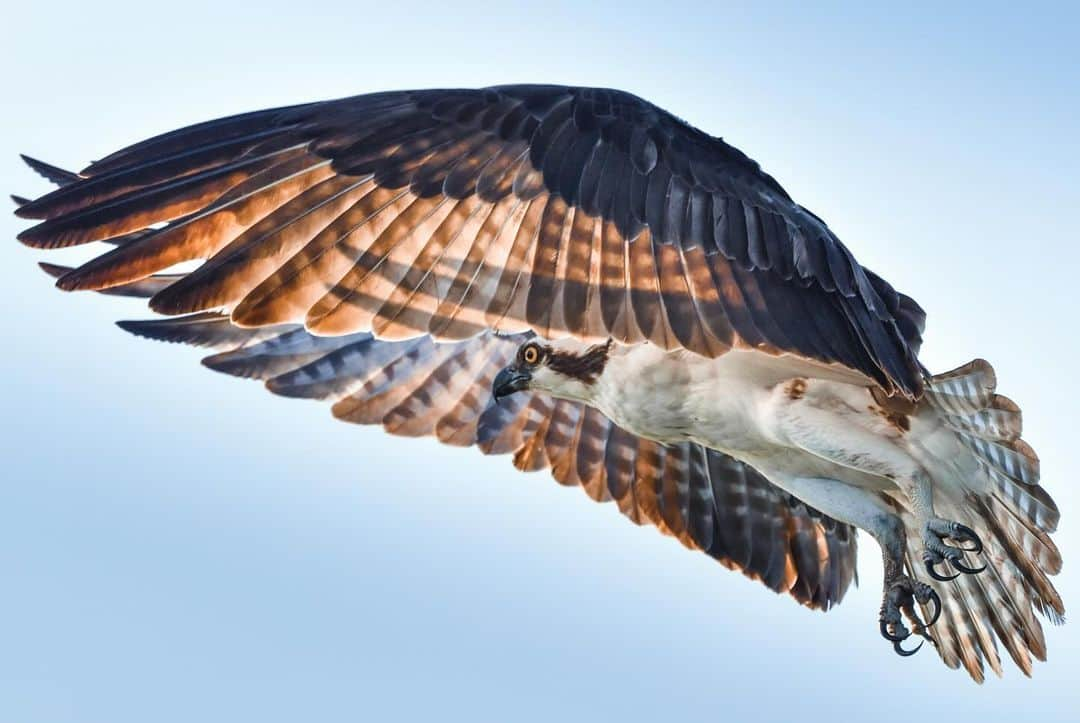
987 478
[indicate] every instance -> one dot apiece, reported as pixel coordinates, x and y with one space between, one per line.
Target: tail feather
998 421
963 391
1009 466
980 610
1013 458
987 478
1031 504
1029 564
1008 597
1028 526
982 613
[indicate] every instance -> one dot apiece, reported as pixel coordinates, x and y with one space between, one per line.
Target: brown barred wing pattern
564 211
706 500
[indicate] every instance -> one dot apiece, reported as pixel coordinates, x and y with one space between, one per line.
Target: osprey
581 279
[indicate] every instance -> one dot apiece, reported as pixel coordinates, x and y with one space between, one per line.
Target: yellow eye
530 355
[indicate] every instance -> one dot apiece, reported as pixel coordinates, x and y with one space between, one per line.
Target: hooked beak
510 380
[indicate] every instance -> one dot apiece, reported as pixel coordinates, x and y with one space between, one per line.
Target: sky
177 545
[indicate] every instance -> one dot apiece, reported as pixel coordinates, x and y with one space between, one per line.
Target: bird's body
765 410
667 328
725 403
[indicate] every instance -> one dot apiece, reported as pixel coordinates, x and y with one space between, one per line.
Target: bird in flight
579 278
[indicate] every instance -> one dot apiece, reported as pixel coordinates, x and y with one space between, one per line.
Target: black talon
966 534
964 568
894 639
937 575
905 653
937 609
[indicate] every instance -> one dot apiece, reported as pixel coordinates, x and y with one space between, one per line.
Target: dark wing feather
610 217
50 172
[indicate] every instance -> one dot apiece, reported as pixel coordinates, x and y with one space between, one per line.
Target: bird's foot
901 594
936 551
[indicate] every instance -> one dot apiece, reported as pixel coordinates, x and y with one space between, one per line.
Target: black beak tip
508 381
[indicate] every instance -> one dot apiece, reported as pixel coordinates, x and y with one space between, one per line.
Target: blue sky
180 546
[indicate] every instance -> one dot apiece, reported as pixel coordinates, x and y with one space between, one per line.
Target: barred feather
578 211
1013 516
419 387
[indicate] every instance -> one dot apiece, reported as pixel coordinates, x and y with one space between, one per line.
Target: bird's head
567 369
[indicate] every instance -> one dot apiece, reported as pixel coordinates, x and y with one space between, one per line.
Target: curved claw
966 534
905 653
965 569
937 609
894 639
937 575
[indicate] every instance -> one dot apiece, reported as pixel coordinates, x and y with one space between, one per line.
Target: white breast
679 396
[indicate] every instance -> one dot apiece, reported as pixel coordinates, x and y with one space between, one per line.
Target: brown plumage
565 210
586 366
708 501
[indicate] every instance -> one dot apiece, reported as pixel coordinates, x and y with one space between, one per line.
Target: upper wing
445 212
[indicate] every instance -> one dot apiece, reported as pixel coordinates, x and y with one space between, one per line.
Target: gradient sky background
176 545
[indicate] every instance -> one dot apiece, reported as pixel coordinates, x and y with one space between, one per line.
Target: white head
567 369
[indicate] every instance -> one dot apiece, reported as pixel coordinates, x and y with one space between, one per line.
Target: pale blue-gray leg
869 511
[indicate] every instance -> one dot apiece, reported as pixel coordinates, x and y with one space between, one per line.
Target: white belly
730 404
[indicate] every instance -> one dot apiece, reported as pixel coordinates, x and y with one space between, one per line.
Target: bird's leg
869 511
900 591
919 490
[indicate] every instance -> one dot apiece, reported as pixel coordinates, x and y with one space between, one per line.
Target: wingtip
49 172
38 235
174 300
54 270
143 328
26 237
239 366
70 282
19 201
